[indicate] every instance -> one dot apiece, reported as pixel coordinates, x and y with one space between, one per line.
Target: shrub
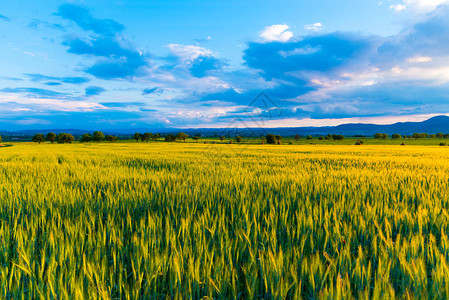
337 137
111 138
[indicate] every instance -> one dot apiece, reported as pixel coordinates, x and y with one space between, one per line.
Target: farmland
152 220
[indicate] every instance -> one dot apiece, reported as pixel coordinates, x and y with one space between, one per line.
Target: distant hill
432 125
34 131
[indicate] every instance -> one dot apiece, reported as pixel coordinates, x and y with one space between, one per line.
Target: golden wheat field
182 220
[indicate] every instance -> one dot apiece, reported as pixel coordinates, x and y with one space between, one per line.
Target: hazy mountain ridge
432 125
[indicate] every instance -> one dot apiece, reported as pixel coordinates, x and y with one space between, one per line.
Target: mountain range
432 125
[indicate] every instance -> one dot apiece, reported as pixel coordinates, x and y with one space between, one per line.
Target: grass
189 220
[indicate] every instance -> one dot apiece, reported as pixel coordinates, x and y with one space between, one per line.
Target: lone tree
181 136
396 136
271 138
309 137
137 136
238 139
111 138
222 138
98 136
51 137
38 138
63 138
278 138
297 137
85 138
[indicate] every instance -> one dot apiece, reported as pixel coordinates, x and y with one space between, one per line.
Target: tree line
335 137
145 137
67 138
396 136
98 136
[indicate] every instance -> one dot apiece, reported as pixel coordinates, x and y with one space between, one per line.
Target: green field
190 220
316 141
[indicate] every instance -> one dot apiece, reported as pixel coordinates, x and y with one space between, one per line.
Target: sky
112 65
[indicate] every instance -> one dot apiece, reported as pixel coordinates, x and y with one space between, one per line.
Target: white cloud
398 7
419 59
38 104
276 33
316 27
301 51
420 6
368 83
396 70
189 52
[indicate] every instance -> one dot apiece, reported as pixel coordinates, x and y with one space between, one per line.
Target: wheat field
183 220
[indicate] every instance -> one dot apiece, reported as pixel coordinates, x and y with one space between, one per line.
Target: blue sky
151 64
